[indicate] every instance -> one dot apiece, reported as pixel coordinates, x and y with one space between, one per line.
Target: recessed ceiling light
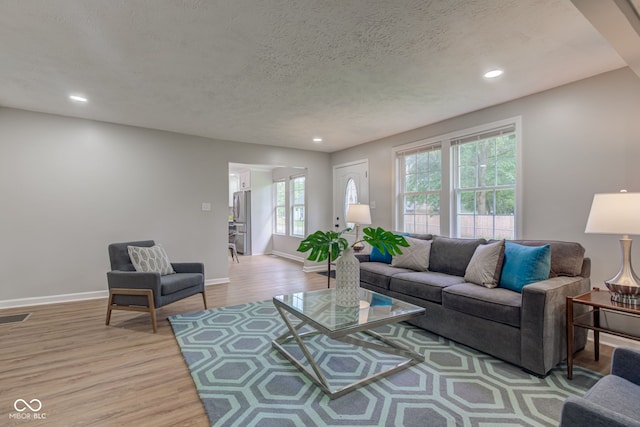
493 74
78 98
317 139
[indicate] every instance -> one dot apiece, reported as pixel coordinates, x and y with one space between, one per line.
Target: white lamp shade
359 214
614 213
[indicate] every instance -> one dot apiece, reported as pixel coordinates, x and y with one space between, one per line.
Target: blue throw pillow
377 256
524 265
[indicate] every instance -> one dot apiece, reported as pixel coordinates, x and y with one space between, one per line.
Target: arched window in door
350 198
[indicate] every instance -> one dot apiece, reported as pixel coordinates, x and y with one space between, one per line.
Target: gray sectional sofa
526 328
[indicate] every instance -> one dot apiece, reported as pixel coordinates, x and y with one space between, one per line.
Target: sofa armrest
625 363
134 280
586 267
578 412
188 267
363 257
543 322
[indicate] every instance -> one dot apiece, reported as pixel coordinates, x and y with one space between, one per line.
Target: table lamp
618 213
359 214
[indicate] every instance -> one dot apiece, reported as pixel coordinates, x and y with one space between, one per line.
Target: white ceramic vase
348 279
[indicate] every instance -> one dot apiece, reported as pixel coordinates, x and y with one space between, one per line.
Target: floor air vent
14 318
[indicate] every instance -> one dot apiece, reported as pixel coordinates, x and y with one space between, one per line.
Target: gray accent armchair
613 400
136 291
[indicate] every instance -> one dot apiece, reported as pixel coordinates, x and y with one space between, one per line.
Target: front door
350 186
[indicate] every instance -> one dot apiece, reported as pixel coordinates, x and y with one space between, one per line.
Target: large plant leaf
322 244
385 241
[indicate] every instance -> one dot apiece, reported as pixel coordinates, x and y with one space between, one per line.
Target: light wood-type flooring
89 374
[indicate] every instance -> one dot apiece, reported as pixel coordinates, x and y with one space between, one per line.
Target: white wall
69 187
261 212
577 140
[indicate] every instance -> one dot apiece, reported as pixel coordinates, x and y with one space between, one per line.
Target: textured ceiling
280 72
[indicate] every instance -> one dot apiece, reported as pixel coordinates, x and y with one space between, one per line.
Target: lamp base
625 286
624 294
358 247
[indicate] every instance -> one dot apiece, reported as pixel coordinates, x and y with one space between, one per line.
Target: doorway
350 186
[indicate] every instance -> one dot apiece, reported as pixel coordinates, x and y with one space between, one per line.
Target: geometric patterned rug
243 381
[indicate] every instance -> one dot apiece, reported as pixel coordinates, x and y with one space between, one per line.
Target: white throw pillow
150 260
486 264
415 257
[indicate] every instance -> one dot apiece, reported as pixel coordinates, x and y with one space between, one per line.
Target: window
462 184
485 184
420 185
298 206
280 208
350 198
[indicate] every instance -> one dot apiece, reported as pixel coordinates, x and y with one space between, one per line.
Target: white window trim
275 205
291 205
447 193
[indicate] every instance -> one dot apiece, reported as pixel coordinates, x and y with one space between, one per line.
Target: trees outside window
421 182
462 184
485 185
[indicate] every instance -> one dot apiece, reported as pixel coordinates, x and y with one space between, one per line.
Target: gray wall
577 140
69 187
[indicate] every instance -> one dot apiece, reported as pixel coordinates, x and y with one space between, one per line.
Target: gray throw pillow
486 264
415 257
150 260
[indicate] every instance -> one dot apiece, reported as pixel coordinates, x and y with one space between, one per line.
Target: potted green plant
329 245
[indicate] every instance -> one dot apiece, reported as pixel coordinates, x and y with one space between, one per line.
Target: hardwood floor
89 374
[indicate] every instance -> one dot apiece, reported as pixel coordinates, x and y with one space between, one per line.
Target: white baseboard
219 281
314 269
53 299
288 256
80 296
615 341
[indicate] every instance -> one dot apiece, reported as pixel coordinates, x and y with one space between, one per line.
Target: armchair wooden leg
151 307
204 298
109 308
152 310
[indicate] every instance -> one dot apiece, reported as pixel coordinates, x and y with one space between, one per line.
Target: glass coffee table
318 311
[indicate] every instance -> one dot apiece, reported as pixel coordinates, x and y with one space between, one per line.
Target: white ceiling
280 72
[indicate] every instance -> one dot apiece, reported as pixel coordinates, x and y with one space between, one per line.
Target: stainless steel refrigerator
242 219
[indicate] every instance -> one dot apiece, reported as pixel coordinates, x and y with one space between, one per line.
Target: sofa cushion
566 257
486 265
451 256
179 281
524 265
425 285
415 256
498 304
150 259
379 274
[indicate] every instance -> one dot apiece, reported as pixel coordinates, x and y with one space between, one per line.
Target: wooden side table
605 316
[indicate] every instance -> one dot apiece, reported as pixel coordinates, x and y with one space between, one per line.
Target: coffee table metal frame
343 335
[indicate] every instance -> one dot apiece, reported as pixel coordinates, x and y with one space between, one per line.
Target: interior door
350 185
